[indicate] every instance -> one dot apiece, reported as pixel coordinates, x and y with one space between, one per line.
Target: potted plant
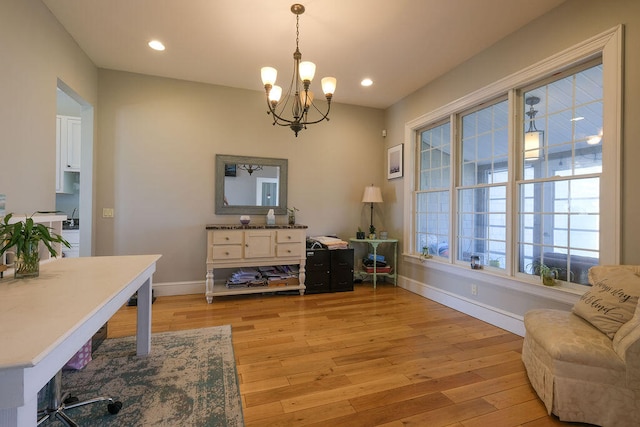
292 215
360 234
25 237
372 232
425 253
546 273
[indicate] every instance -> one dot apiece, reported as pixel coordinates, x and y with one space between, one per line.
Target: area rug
189 379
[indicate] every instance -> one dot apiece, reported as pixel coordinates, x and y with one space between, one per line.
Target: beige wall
569 24
156 155
34 52
156 141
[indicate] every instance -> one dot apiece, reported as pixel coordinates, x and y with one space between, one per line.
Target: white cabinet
68 143
74 140
234 247
73 237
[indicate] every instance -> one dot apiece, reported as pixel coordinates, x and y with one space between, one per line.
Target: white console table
45 320
231 246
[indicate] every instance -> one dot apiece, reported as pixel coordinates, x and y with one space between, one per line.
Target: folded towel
331 242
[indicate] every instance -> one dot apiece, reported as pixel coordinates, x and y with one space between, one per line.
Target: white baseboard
495 316
178 288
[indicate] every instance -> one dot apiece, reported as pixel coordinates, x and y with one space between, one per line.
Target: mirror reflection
250 185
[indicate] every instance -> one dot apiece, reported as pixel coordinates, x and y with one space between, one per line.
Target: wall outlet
474 289
107 212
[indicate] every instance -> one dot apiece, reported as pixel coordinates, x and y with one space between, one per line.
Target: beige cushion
627 335
612 300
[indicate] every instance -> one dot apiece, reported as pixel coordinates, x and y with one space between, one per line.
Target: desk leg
24 416
143 337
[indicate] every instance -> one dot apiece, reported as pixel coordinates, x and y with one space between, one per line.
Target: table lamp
372 195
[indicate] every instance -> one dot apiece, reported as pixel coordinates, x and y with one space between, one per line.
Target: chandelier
298 99
250 168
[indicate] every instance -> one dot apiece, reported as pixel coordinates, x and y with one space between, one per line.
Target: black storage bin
329 270
318 268
341 270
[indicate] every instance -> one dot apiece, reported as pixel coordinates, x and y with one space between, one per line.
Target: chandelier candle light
298 97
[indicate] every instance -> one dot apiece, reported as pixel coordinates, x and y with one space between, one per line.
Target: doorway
74 168
267 192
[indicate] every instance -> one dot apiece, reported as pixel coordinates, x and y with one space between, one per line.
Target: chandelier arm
324 116
277 118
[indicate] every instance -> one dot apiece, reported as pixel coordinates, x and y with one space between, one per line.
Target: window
432 197
511 174
559 193
482 201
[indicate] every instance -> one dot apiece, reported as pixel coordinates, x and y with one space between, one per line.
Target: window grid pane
433 223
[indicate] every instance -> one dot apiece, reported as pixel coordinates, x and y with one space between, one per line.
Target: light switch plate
107 212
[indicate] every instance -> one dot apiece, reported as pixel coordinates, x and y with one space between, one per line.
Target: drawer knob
226 238
289 237
226 253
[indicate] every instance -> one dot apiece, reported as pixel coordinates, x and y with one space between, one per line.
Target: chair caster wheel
114 407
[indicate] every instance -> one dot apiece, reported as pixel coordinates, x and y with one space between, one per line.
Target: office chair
57 403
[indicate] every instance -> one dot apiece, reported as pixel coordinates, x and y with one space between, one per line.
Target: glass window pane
570 120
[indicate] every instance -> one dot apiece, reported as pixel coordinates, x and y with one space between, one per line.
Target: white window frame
608 45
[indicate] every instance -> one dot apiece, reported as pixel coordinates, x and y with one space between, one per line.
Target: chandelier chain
297 30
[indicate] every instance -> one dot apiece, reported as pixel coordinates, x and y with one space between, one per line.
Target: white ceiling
226 42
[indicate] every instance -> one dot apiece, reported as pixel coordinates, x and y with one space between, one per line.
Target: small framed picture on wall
394 162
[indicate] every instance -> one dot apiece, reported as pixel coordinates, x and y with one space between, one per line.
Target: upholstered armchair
585 364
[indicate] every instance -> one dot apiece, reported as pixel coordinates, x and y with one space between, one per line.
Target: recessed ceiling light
366 82
156 45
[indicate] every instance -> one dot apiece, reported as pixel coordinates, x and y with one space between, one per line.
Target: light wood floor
364 358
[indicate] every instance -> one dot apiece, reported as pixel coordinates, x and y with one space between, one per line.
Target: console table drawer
289 250
284 236
226 237
224 252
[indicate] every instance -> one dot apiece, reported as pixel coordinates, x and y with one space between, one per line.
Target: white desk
44 321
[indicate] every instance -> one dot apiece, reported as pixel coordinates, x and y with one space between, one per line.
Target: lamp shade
275 94
307 70
372 195
306 98
268 75
329 85
532 144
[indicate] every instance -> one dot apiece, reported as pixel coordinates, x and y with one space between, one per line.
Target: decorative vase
28 263
292 218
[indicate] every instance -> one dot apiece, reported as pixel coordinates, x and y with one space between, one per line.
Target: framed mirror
250 185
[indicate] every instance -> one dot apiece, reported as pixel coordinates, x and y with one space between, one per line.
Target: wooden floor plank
383 357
